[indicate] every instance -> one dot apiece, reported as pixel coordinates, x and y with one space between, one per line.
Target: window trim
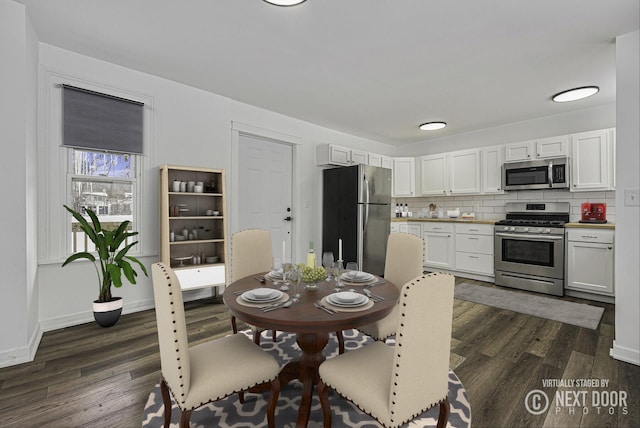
54 183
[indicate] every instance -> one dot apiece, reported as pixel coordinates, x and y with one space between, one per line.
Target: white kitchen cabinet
591 161
394 227
434 175
590 260
515 152
359 157
464 171
412 228
374 159
332 154
492 169
439 243
386 162
451 173
474 248
552 147
404 176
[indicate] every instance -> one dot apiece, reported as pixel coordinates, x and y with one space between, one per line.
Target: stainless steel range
529 247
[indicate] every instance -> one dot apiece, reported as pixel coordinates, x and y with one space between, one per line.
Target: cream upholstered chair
250 254
397 383
403 263
195 376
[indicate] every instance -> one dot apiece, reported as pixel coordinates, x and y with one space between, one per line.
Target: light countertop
445 220
591 225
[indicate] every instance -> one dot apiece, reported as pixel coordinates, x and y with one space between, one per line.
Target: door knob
288 218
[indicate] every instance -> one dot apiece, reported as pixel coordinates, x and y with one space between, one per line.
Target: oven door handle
525 237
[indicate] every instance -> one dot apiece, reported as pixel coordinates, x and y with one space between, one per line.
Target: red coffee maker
593 212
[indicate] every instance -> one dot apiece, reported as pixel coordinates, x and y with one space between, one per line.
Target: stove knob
513 229
526 229
547 230
506 228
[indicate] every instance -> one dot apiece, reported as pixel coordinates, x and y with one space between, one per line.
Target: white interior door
265 188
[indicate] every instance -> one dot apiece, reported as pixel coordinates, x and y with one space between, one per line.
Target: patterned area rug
230 413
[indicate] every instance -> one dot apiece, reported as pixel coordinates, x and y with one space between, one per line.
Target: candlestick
284 252
340 249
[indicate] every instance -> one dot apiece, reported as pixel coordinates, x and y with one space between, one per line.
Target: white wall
19 332
190 127
599 117
626 346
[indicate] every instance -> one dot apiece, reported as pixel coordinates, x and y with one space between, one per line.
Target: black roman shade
95 121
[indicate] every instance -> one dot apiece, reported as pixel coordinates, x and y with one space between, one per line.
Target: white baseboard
26 354
23 354
627 355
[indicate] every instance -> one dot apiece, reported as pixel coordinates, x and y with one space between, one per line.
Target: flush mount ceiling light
575 94
432 126
285 2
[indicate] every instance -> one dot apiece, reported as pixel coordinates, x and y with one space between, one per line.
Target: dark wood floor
93 377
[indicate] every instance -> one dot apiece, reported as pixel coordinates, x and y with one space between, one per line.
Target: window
104 183
119 182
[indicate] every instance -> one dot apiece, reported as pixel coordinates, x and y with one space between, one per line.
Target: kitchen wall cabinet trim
209 239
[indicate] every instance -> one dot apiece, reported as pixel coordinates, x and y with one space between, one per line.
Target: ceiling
371 68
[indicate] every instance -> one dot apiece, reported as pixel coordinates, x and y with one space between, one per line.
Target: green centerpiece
312 275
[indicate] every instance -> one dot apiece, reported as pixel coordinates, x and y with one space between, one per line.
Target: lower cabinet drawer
482 244
476 263
199 277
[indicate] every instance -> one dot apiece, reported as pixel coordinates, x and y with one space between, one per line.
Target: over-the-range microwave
536 174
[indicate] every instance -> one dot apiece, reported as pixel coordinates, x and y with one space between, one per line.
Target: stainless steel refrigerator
357 209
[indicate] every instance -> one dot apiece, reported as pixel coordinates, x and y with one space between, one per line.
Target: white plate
362 300
261 295
346 297
275 274
357 276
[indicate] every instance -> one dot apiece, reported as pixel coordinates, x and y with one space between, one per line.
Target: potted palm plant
111 263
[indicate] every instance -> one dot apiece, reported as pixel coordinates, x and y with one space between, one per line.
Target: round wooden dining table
312 325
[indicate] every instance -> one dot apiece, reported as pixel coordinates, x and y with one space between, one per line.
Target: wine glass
352 266
295 276
287 268
327 262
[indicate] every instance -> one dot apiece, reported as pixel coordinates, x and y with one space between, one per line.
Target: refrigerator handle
366 204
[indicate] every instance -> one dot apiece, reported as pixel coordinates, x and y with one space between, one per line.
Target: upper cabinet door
519 151
590 161
404 177
492 169
386 162
358 157
464 171
340 155
552 147
375 159
434 175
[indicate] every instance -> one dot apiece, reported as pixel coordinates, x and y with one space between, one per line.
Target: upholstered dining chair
197 375
397 383
403 262
250 254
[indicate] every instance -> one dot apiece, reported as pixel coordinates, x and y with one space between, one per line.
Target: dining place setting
272 292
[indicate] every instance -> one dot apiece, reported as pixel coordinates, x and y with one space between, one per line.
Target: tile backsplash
492 207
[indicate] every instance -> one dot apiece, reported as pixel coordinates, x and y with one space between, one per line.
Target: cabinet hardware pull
475 239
